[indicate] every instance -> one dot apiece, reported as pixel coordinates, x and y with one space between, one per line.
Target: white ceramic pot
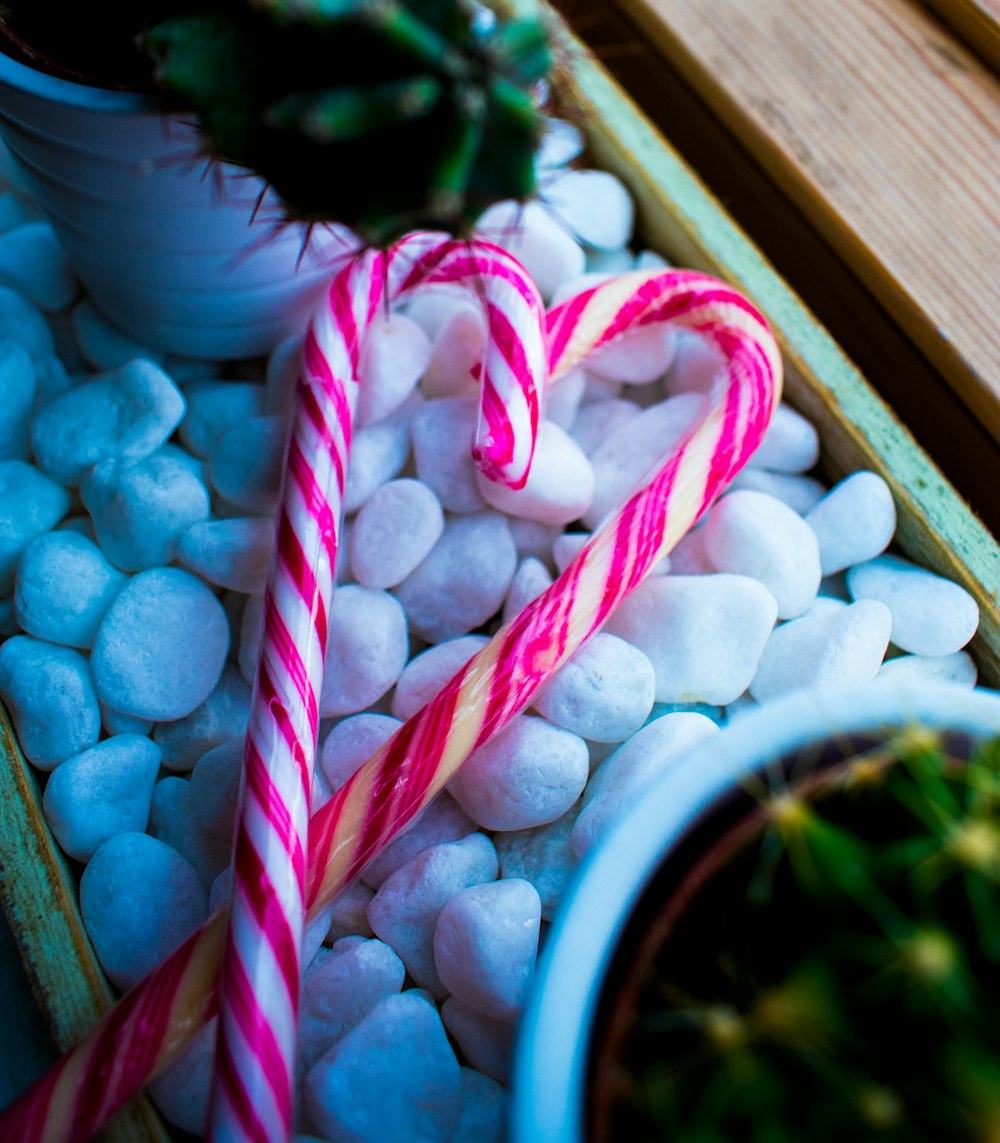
165 250
553 1052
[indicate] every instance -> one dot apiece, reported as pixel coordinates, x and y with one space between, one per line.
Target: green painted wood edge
39 896
936 527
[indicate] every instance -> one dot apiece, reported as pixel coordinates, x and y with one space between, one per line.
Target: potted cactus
381 116
795 936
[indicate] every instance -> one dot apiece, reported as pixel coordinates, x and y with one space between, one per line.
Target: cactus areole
384 115
822 966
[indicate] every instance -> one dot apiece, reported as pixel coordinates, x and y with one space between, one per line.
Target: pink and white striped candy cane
252 1089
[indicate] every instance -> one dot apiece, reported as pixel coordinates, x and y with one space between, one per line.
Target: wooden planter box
678 217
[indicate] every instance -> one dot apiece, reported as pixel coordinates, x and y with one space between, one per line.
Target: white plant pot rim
552 1054
69 92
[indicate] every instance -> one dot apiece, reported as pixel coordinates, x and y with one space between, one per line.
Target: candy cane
151 1024
252 1091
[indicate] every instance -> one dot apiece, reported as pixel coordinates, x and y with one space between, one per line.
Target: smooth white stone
576 286
349 913
623 777
101 792
24 322
140 508
530 580
560 484
104 345
629 452
161 646
442 452
638 357
958 668
127 414
342 991
484 1110
281 375
696 367
372 1086
487 1044
114 722
181 1092
223 715
457 353
543 856
250 636
215 787
751 533
18 385
609 262
229 553
464 581
598 389
485 945
562 402
214 407
532 538
598 420
442 821
688 556
791 443
50 696
426 673
931 615
404 911
139 900
394 356
537 239
352 742
394 532
528 774
366 649
16 209
651 260
833 644
594 205
800 493
854 522
245 465
561 143
33 262
565 548
604 693
51 380
703 634
30 504
379 453
63 588
171 820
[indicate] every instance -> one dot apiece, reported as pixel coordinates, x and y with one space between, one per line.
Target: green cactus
836 971
385 115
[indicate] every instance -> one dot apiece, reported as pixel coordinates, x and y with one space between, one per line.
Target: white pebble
854 522
378 454
22 321
223 715
704 634
800 493
609 262
464 581
181 1092
623 777
532 538
604 693
537 239
214 407
139 900
104 345
17 398
640 356
543 856
442 452
366 649
457 354
161 646
395 353
63 588
598 420
560 484
394 532
629 451
696 367
50 696
594 205
171 820
833 644
425 674
347 985
751 533
215 786
562 401
530 580
561 143
245 465
101 792
958 668
931 615
688 556
250 637
528 774
484 1110
372 1086
230 553
487 1043
566 547
485 944
442 821
404 911
352 742
281 375
349 913
141 507
33 261
651 260
791 443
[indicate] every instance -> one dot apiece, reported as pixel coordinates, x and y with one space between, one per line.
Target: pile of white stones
136 494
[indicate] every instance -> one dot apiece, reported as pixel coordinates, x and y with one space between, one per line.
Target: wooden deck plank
886 131
977 22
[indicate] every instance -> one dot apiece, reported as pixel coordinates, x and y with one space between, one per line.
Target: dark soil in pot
818 959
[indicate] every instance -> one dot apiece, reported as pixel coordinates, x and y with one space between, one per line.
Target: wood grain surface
977 22
886 130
